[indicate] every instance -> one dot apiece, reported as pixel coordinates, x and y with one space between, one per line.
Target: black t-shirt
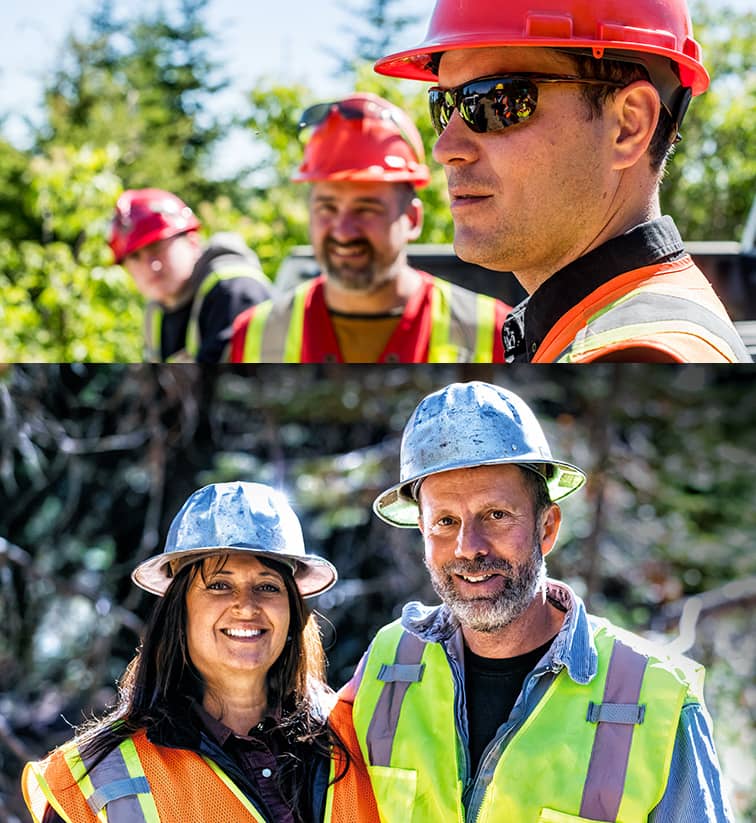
492 685
221 305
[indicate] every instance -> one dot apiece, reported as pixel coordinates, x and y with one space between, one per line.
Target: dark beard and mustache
344 273
488 614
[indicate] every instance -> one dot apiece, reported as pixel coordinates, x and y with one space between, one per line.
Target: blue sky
282 38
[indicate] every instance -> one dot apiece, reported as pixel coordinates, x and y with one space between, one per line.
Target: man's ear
635 109
551 519
414 213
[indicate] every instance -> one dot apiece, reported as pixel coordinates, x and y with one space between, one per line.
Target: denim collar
573 648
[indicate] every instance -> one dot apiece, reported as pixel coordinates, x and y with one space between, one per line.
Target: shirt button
266 772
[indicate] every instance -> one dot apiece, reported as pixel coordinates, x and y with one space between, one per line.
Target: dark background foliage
95 461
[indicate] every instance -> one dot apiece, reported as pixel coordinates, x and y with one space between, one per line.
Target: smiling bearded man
508 700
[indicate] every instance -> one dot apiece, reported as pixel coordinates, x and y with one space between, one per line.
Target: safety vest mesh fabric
153 317
462 326
556 765
137 782
668 308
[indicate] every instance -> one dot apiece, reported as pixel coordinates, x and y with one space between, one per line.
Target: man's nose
471 542
456 144
345 227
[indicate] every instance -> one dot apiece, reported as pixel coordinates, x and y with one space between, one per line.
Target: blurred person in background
194 292
365 161
222 713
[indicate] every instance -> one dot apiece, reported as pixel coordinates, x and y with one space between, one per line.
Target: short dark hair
539 490
619 71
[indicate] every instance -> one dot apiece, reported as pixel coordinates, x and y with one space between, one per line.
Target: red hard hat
144 216
637 28
362 137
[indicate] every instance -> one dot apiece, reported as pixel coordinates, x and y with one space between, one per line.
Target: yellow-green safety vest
599 751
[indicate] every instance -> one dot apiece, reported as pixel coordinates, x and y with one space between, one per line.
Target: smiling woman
222 713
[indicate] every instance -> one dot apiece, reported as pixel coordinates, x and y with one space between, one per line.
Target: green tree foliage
711 178
143 84
374 26
95 461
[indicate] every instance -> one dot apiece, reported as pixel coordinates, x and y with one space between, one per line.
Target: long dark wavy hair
161 680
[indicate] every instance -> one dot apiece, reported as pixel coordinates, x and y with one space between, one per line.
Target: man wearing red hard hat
555 120
365 160
193 293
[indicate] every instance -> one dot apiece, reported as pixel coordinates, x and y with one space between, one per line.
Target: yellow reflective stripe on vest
234 789
38 794
192 344
485 329
440 347
254 335
422 783
117 779
80 775
551 779
153 326
293 348
275 331
462 325
650 312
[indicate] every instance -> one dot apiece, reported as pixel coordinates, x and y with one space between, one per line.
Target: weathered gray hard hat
238 517
465 425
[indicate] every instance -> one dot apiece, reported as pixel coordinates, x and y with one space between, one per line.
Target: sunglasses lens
440 108
314 115
488 105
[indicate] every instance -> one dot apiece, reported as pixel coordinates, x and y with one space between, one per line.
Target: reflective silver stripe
463 321
383 723
123 807
117 789
401 673
630 713
607 769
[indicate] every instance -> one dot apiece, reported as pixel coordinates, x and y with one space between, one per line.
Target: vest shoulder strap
462 325
274 333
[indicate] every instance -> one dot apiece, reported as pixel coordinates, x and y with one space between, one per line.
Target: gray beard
489 614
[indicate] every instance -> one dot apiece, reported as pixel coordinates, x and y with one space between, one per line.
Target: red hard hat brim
414 64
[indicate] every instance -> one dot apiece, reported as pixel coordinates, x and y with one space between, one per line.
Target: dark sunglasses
315 115
490 104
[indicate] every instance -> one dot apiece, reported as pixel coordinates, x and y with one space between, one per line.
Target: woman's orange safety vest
140 782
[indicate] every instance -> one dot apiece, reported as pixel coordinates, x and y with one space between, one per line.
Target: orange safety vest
140 782
441 323
665 311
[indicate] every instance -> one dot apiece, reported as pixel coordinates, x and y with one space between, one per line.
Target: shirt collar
573 648
529 322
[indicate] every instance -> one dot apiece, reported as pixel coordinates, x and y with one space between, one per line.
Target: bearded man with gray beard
508 701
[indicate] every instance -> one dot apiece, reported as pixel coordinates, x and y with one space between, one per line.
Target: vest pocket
553 816
395 791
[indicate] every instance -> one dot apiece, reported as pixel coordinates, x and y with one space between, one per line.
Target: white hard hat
236 517
465 425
